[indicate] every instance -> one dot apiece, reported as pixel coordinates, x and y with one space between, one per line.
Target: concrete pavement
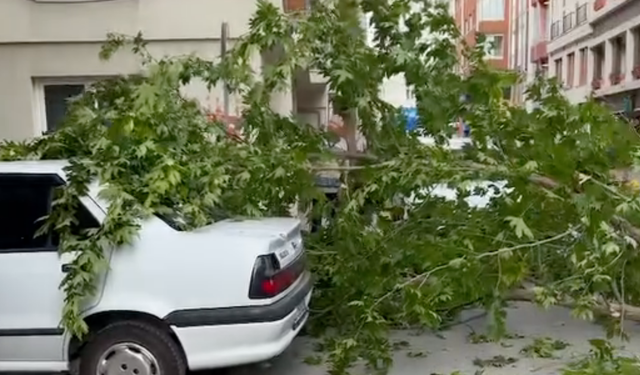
427 353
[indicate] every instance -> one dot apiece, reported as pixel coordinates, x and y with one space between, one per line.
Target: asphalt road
428 353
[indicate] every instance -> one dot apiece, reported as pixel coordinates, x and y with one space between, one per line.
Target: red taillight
269 287
279 282
269 279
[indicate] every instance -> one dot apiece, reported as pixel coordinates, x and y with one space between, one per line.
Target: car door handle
66 268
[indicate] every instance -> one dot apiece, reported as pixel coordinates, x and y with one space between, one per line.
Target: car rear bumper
213 338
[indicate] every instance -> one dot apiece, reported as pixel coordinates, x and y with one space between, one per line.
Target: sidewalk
426 353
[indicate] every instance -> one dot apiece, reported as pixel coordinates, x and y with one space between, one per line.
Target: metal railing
581 14
568 22
555 30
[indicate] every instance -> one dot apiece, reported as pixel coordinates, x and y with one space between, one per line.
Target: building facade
488 17
49 52
594 48
529 39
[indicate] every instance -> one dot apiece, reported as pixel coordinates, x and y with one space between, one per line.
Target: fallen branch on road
605 308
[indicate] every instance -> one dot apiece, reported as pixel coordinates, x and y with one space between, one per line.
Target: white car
491 189
231 293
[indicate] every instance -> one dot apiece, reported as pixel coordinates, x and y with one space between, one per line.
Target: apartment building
594 48
529 39
488 17
49 52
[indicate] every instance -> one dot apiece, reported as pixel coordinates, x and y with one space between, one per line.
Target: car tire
135 347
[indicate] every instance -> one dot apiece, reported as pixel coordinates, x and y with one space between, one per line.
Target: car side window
24 200
84 220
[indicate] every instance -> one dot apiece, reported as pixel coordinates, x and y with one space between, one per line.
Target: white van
231 293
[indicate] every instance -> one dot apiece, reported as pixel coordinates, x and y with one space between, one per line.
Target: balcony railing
568 22
555 30
581 14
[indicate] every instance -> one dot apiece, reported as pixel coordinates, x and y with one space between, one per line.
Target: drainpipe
224 36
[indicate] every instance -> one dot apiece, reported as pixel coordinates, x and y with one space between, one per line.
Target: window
494 46
84 220
52 98
24 200
409 93
619 55
583 67
598 62
635 33
571 65
56 103
491 10
555 30
558 66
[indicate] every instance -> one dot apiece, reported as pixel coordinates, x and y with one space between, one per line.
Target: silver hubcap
128 359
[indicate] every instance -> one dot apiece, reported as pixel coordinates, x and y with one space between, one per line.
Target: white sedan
231 293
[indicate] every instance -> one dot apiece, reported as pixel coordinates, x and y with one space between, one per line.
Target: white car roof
456 143
34 166
49 167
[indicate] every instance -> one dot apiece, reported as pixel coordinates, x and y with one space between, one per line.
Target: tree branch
350 155
614 309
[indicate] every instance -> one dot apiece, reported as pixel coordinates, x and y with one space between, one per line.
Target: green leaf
519 227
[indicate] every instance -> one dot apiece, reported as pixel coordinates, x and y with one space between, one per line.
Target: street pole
224 36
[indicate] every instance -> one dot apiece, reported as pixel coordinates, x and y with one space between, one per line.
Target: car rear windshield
179 221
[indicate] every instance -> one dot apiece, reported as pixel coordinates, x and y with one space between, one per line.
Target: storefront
625 105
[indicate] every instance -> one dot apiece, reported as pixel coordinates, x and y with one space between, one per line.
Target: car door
30 274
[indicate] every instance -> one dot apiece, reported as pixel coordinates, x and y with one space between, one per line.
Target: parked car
490 189
231 293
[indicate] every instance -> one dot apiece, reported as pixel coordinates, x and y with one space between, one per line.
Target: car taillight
269 280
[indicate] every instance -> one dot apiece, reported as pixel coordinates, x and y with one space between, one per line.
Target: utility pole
224 36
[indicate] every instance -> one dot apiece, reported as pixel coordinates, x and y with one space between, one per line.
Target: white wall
60 41
393 89
31 21
24 67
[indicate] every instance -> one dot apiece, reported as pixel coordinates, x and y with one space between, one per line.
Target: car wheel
132 348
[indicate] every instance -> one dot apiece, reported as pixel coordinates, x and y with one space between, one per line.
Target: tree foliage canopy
564 225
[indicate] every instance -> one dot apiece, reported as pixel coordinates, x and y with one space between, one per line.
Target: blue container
411 118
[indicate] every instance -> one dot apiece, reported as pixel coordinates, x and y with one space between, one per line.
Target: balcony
555 30
616 78
568 22
596 84
539 52
581 14
296 5
543 3
605 8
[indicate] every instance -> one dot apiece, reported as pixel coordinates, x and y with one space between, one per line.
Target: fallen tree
566 222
